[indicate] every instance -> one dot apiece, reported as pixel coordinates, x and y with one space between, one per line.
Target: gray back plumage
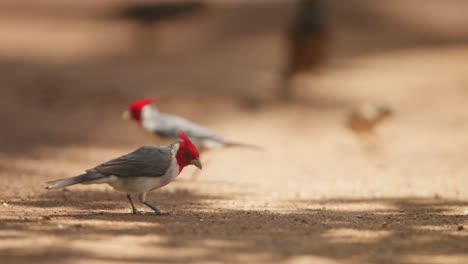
146 161
170 125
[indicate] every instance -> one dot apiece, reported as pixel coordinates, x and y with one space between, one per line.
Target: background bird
143 170
145 16
166 126
365 118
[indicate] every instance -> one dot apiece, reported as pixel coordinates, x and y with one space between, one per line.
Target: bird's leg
156 210
134 210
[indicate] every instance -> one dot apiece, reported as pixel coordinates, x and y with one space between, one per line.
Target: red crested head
136 107
188 153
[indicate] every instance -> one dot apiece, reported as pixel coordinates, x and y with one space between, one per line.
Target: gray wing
145 161
170 126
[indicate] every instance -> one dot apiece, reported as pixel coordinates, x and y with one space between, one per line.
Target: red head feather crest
187 152
136 106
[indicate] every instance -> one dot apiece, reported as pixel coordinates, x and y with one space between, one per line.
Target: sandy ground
319 193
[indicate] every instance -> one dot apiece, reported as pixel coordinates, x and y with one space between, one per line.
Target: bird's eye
188 155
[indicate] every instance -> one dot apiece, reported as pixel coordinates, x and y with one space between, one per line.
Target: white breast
148 117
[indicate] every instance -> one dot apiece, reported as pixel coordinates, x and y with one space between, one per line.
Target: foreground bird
166 126
143 170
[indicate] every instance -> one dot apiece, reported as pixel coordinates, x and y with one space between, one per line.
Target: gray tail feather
86 177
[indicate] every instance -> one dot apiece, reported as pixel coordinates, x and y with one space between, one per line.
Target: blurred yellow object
366 117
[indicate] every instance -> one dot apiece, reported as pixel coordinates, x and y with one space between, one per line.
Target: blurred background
68 61
64 62
360 104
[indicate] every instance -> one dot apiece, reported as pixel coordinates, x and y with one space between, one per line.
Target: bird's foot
154 208
161 213
136 211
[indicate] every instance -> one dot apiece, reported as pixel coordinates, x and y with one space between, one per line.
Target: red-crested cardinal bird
141 171
166 126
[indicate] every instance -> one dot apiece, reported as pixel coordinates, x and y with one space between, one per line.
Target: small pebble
5 205
465 212
171 190
460 228
60 226
46 217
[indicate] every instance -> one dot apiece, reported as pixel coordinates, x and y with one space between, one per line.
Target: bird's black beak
197 163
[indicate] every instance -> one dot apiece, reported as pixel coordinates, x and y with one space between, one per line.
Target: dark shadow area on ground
101 201
374 236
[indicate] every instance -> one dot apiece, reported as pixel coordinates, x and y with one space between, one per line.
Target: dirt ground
318 193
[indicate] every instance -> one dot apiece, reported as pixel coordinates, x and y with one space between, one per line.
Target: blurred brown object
147 15
308 40
366 117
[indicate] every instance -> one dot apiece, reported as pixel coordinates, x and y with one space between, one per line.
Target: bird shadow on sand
396 230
